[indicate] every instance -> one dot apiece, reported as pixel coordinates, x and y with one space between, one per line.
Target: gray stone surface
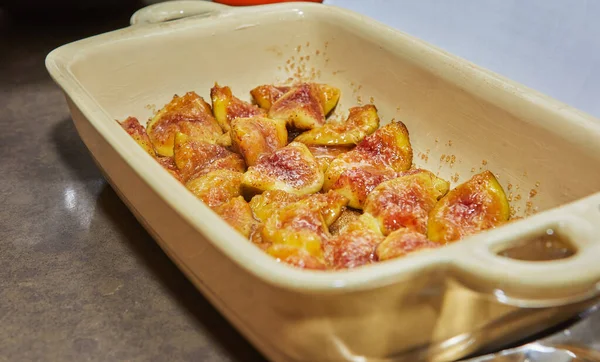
80 279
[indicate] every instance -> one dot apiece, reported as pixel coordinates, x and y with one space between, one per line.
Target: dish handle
538 284
174 10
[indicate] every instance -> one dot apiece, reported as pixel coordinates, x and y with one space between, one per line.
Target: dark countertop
80 279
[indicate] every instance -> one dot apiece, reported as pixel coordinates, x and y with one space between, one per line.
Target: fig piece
195 158
377 158
189 115
473 206
292 169
133 127
216 187
299 224
266 204
326 154
402 242
236 212
405 201
295 256
354 245
361 122
305 105
227 107
256 136
266 95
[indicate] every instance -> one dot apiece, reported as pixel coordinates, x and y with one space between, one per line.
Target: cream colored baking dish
439 305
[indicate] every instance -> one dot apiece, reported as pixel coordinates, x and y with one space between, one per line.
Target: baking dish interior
462 119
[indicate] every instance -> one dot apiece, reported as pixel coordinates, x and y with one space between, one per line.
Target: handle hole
547 245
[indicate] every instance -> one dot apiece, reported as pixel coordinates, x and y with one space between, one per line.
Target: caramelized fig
405 201
194 158
299 224
473 206
326 154
354 245
227 107
189 115
292 169
216 187
256 136
295 256
402 242
374 160
133 127
236 212
266 95
361 122
267 203
305 106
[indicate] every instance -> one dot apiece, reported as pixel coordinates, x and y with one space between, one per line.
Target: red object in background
259 2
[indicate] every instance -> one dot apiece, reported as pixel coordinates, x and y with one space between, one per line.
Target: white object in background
549 45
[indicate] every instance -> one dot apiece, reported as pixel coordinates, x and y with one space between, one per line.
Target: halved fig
236 212
194 158
305 105
405 201
189 115
388 146
361 122
226 107
266 204
295 256
266 95
168 163
326 154
292 169
299 224
402 242
354 245
133 127
473 206
256 136
374 160
216 187
355 180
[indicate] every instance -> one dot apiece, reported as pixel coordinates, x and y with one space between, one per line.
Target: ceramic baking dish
439 305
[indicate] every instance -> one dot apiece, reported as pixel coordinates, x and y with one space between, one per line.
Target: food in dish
313 192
